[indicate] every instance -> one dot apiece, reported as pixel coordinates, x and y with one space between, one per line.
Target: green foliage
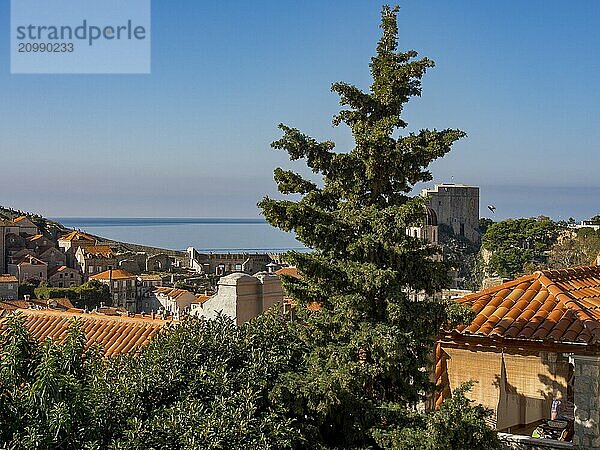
463 256
484 224
88 295
28 288
370 344
201 384
44 392
457 425
346 376
580 249
517 246
205 384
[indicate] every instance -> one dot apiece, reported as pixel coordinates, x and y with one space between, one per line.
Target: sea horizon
207 234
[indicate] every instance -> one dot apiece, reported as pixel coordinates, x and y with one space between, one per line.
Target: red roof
291 271
560 306
76 236
20 218
6 278
117 274
116 334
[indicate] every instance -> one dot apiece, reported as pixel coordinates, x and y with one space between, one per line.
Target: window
91 269
462 229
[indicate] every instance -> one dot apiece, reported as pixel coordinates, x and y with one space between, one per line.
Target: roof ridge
529 277
570 271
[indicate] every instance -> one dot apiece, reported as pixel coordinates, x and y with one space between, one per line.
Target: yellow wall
519 394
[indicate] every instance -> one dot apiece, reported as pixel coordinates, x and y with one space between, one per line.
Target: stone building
51 256
534 340
26 226
241 297
94 259
134 262
456 205
169 301
158 263
63 276
29 268
70 242
38 240
9 287
122 285
429 230
226 263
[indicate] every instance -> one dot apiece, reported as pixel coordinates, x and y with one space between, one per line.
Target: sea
204 234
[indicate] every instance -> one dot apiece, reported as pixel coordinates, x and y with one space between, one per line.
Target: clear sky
192 138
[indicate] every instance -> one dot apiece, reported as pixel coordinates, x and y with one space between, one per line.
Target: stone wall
242 297
587 402
456 205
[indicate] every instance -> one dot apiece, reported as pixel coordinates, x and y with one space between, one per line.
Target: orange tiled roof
32 260
76 236
19 219
291 271
61 302
5 278
35 237
6 305
201 298
116 334
171 292
561 306
116 274
98 250
150 277
57 269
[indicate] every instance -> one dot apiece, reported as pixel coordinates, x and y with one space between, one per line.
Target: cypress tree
371 341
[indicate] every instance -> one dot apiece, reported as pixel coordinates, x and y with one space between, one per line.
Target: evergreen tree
371 341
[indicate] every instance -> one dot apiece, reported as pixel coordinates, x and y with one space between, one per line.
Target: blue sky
192 138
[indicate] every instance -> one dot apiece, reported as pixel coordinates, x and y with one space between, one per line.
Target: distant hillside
48 227
54 230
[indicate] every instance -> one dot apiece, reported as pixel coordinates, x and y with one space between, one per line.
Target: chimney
152 315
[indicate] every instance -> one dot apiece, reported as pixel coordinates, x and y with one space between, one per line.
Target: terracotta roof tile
556 305
291 271
116 274
103 251
116 334
77 236
5 278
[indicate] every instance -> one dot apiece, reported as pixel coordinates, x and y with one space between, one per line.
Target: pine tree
371 340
